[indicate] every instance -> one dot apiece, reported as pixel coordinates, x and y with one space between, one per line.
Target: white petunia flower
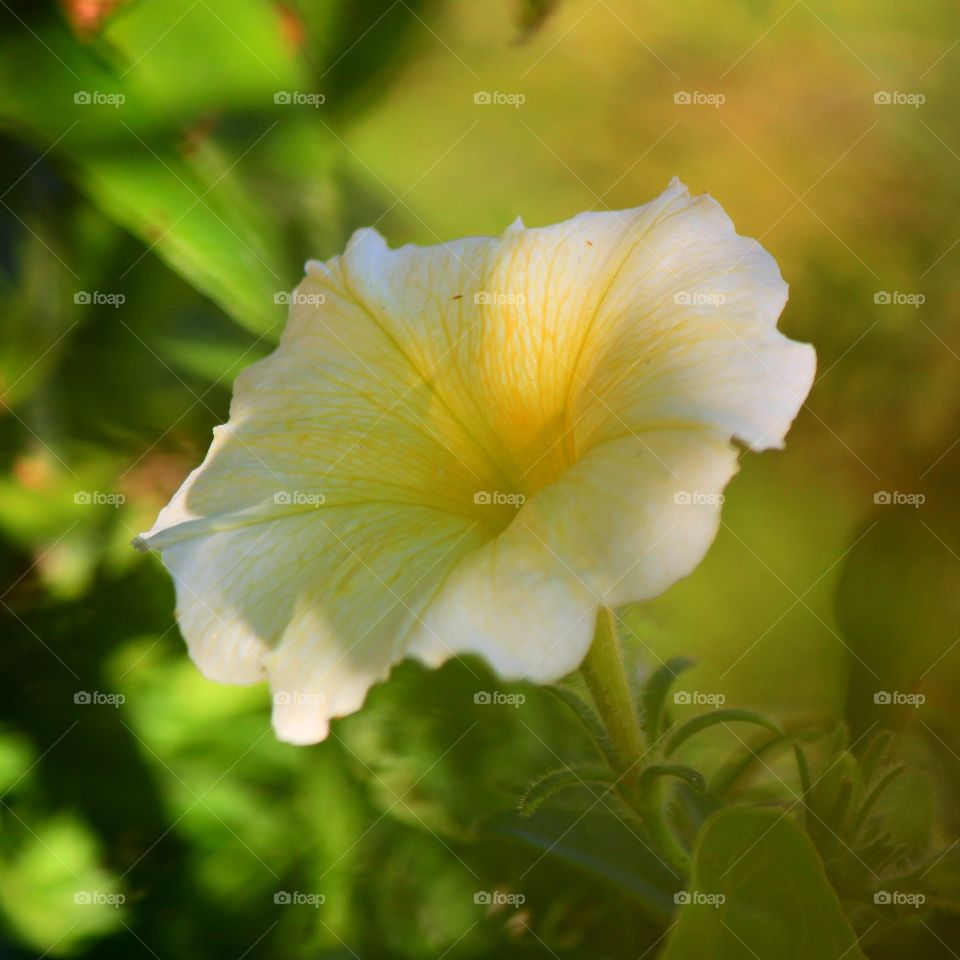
468 448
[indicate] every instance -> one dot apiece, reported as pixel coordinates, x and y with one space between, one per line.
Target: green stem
650 809
606 678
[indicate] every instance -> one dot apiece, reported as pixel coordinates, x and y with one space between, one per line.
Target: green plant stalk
650 807
606 678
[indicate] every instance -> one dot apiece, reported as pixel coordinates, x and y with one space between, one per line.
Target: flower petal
324 601
622 525
362 503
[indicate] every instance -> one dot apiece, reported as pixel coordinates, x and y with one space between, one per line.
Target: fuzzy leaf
655 694
705 720
776 900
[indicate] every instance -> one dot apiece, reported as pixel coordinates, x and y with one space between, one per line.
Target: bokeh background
167 166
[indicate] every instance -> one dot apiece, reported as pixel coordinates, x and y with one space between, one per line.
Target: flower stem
606 678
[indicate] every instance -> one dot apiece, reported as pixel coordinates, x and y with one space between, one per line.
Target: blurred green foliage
157 196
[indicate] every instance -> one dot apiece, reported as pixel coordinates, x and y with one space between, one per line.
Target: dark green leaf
655 694
587 716
777 902
688 774
868 804
873 753
728 775
603 845
596 779
706 720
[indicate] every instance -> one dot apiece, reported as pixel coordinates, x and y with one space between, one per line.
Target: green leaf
688 774
740 764
908 811
706 720
873 753
868 804
164 161
196 221
544 787
655 694
776 900
837 816
587 716
601 844
803 770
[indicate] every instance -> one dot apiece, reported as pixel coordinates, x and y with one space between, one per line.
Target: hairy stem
607 680
603 670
